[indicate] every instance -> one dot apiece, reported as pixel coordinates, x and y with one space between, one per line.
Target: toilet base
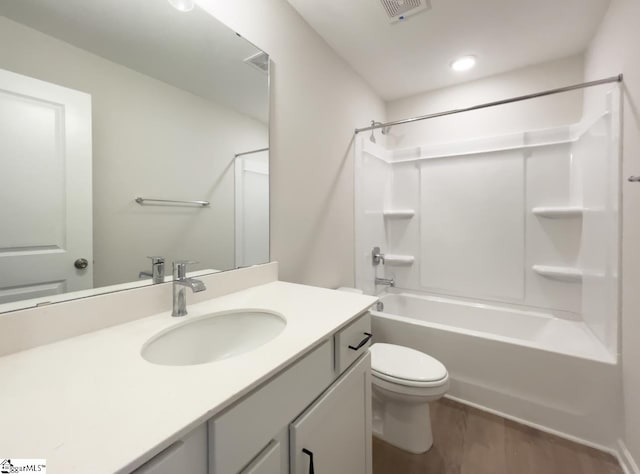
404 425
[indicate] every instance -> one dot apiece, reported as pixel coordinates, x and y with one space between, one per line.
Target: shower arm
377 125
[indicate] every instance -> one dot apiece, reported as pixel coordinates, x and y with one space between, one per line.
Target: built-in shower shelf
558 273
399 213
399 259
558 212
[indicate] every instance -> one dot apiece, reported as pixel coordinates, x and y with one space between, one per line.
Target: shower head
384 130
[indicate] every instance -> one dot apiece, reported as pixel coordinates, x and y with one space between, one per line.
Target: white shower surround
562 169
534 355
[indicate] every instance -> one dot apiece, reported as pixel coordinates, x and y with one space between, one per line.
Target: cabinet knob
310 454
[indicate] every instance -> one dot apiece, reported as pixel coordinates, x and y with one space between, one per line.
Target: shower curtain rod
617 78
250 152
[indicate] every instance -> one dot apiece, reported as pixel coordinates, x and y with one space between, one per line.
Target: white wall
150 139
614 50
539 113
317 101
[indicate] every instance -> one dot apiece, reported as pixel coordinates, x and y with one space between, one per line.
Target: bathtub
529 366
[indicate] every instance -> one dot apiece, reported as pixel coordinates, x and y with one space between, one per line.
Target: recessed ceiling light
183 5
464 63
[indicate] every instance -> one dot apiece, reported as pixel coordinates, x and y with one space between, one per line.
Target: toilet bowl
404 382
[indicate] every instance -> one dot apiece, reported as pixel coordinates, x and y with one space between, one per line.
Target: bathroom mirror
127 130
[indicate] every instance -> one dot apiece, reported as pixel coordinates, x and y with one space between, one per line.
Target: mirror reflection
127 130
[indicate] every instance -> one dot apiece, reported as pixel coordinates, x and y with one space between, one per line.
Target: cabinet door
269 461
335 432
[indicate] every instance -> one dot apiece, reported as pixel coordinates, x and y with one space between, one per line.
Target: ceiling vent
398 10
259 61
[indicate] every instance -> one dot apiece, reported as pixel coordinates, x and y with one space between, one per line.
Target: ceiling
192 51
413 56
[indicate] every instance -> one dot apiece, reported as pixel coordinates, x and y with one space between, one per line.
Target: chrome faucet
157 270
385 281
180 285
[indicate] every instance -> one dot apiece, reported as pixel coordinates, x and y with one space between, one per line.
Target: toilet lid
404 363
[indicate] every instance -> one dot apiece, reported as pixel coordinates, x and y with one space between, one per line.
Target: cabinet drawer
352 342
237 435
269 461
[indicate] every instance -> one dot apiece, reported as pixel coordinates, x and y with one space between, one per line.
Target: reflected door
45 189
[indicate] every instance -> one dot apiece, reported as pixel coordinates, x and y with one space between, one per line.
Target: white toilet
404 382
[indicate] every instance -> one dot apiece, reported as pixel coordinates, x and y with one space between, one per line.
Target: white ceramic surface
213 337
404 382
536 329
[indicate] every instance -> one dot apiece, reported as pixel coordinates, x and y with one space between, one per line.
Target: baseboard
614 452
627 462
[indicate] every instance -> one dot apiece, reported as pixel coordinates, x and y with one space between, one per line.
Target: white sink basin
212 337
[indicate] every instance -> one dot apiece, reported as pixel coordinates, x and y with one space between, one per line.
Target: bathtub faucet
385 281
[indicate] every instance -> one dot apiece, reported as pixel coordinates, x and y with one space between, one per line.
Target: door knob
81 263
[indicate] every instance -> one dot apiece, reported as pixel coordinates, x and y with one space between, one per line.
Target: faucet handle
156 259
180 268
376 256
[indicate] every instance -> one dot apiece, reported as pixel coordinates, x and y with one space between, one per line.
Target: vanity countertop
91 403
